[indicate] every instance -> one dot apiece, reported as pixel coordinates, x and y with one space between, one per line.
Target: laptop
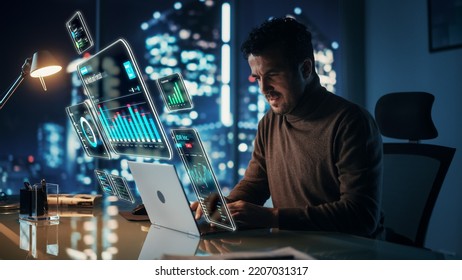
165 199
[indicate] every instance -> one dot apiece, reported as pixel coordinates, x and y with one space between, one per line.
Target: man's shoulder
354 117
349 108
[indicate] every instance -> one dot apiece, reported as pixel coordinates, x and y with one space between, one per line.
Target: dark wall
28 26
397 58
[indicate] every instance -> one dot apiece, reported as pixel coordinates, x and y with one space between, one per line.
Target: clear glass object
39 203
39 239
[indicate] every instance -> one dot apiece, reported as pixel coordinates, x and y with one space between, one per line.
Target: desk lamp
41 64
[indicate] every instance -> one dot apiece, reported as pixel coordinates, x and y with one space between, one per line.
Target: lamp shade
43 64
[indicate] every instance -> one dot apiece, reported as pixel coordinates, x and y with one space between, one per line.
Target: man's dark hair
290 36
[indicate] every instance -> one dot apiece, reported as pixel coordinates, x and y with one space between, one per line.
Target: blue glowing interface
202 177
104 182
79 33
123 104
85 125
120 185
114 185
174 92
129 70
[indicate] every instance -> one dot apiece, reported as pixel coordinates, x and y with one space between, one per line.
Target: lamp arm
25 70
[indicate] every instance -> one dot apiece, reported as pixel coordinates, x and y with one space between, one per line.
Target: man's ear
307 68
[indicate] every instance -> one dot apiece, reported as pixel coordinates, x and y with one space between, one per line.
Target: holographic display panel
202 177
174 92
120 185
114 185
104 182
123 104
79 33
85 125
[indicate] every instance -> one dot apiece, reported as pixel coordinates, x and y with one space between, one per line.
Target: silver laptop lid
163 196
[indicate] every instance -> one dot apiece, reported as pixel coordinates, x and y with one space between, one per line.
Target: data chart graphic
104 182
86 126
123 104
79 33
129 123
174 92
202 177
114 185
123 191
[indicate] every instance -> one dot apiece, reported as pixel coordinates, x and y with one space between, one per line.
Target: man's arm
253 187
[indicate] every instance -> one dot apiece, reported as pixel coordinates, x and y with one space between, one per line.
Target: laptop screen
202 177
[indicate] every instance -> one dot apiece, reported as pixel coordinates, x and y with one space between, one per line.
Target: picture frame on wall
444 24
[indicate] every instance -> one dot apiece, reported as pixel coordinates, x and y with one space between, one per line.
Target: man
316 155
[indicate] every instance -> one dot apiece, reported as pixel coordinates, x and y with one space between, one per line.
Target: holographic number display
202 177
122 103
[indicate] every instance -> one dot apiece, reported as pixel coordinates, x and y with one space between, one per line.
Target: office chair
413 172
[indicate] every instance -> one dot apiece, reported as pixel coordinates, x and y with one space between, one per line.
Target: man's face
282 83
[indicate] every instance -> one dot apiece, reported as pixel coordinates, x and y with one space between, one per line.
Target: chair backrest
413 172
413 176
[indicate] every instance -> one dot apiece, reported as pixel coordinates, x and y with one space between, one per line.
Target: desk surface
102 233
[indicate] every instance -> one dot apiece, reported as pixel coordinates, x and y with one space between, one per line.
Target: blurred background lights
335 45
156 15
144 26
177 5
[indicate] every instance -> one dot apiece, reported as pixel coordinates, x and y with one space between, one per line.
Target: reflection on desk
166 244
39 239
82 234
105 234
160 241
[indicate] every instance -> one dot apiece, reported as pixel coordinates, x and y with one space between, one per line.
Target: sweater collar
313 96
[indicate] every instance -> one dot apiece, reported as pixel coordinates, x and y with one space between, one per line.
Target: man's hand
195 206
248 215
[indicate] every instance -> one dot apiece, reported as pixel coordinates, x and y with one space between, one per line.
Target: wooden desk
103 233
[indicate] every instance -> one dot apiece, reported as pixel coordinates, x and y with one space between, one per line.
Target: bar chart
176 97
131 123
123 104
174 92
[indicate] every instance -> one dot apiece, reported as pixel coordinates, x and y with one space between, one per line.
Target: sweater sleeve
357 154
253 187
